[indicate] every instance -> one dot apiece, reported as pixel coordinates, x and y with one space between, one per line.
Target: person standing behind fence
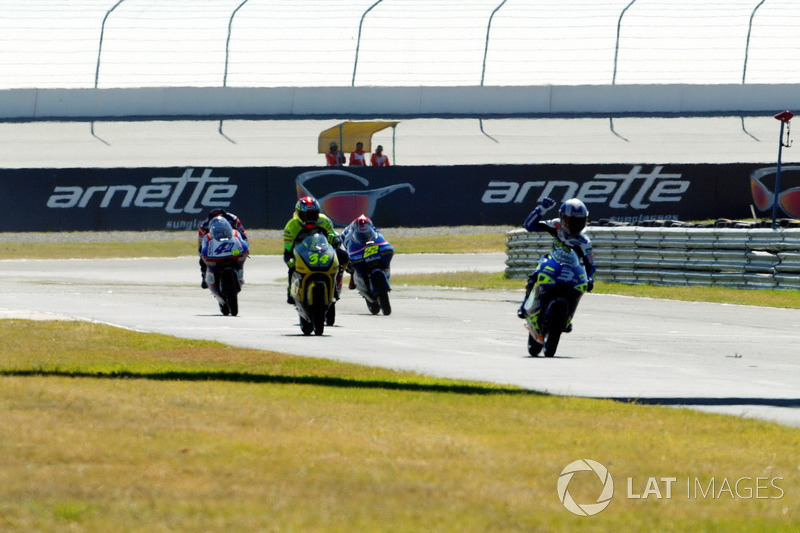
357 158
333 157
379 159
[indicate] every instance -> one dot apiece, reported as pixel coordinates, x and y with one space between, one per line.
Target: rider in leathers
567 232
307 218
202 231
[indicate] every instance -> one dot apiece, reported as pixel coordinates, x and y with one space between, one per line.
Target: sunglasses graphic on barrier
788 200
342 207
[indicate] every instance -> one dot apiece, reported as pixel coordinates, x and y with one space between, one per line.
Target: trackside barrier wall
759 258
37 103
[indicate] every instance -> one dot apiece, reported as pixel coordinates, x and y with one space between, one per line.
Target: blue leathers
561 238
580 243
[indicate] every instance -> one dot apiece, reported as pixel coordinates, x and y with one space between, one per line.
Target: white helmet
574 216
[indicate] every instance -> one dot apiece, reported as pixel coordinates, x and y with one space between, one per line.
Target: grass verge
104 429
75 249
483 281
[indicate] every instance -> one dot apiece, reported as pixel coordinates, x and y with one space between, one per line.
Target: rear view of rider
567 232
202 231
307 218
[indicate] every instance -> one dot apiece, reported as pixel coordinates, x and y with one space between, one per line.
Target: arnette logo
641 188
585 509
165 193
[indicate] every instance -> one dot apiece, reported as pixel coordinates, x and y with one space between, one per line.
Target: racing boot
203 268
522 311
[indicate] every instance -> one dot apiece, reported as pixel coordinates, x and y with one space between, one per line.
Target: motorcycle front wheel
533 347
318 309
381 287
305 326
229 290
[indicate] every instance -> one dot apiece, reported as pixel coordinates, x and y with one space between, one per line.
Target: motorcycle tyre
381 287
318 310
557 315
534 348
229 289
374 307
330 316
305 326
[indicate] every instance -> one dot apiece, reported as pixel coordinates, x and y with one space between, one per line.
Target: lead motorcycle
561 281
370 259
314 282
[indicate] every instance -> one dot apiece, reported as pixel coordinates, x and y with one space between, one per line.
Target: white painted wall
394 101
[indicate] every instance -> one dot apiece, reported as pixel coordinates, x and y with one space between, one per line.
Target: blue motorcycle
370 261
561 281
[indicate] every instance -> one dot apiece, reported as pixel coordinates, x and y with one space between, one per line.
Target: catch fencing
328 43
754 258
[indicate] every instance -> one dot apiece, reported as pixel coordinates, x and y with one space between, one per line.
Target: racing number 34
317 259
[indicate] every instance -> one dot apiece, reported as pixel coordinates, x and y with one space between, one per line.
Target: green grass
103 429
186 244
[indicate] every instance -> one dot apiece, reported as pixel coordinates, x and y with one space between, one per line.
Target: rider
356 235
203 230
306 218
567 232
219 230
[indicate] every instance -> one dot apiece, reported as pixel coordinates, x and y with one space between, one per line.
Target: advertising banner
179 198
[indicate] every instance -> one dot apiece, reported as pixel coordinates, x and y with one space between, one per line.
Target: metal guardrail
758 258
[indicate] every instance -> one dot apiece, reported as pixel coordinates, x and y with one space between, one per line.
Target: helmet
363 229
574 215
307 210
220 229
216 212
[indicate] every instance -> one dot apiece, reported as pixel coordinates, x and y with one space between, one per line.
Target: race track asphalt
729 359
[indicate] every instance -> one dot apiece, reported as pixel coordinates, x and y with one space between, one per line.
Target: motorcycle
370 262
225 260
561 281
314 282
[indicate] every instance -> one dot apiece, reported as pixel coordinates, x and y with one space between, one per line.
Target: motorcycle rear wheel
330 316
556 318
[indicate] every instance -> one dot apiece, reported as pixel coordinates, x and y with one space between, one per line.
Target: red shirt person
357 158
333 157
379 159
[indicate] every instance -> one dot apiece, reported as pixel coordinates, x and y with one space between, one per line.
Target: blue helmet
574 215
363 230
220 229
